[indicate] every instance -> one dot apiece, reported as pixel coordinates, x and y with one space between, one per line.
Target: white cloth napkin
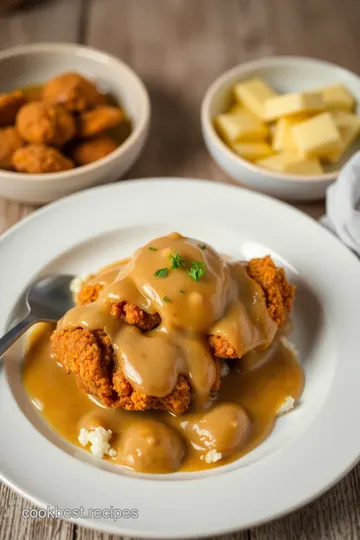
343 205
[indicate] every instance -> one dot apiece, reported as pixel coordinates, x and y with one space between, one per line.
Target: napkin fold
343 205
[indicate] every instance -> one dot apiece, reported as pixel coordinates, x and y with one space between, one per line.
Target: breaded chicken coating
97 120
90 357
44 123
93 149
10 103
9 143
278 292
73 91
38 159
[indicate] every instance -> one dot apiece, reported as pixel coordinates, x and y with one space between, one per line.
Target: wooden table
179 47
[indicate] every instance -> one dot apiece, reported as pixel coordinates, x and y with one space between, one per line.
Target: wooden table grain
179 47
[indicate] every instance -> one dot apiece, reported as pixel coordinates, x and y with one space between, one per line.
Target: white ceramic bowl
33 64
284 74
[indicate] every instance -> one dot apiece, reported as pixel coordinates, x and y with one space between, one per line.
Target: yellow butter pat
337 97
240 126
349 128
304 166
252 151
253 94
318 136
282 137
278 162
237 108
293 104
290 163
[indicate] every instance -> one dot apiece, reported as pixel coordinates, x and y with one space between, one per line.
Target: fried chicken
10 103
43 123
93 149
278 292
73 91
90 357
97 120
9 143
39 158
279 295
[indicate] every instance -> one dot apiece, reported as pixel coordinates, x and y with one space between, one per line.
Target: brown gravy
225 302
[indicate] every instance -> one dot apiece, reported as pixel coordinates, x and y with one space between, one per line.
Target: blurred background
178 47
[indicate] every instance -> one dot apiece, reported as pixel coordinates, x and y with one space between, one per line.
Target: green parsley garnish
165 299
176 260
197 270
161 273
150 248
203 246
182 292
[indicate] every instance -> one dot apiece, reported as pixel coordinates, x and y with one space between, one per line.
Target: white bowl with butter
251 160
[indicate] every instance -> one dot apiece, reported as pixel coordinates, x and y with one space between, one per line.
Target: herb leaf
150 248
197 270
165 299
161 273
182 292
203 246
176 260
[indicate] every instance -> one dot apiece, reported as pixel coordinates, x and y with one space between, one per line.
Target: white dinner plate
310 448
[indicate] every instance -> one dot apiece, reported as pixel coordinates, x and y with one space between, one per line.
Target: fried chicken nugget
73 91
90 357
38 158
97 120
93 149
10 103
44 123
9 143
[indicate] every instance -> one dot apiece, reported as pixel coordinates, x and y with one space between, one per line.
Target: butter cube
252 150
305 166
290 163
241 126
337 97
252 94
282 137
234 109
293 104
349 128
318 136
279 162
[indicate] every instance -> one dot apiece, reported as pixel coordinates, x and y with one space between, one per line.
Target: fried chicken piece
38 159
9 143
90 357
10 103
132 314
221 347
44 123
73 91
278 292
97 120
93 149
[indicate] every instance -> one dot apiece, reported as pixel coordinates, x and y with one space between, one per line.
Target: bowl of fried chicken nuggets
70 117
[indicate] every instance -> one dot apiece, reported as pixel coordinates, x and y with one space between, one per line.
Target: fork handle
12 335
